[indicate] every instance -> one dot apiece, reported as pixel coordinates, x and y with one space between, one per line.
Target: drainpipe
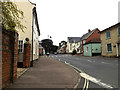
12 59
117 49
32 35
91 49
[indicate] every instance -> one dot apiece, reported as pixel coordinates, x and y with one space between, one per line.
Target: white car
47 53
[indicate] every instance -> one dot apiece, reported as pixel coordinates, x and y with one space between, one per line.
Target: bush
74 52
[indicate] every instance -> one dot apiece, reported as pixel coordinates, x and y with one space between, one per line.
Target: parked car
55 53
47 53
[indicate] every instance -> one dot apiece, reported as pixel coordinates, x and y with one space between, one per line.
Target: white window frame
87 49
70 46
107 47
34 47
20 47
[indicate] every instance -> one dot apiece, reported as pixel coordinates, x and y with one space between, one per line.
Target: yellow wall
73 45
27 8
35 42
113 40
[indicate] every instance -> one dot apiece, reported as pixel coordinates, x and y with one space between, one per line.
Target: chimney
89 30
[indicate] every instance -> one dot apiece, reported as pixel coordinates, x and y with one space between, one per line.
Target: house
73 43
40 49
110 41
31 32
92 47
87 37
62 47
47 44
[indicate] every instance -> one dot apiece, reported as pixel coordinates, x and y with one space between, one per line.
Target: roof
35 14
85 36
94 40
32 2
73 39
118 24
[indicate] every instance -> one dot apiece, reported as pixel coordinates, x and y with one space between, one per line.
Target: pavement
48 73
21 71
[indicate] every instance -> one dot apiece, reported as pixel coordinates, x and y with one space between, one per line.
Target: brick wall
26 55
0 57
9 57
94 35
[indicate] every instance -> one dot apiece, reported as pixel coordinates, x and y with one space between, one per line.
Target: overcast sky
72 18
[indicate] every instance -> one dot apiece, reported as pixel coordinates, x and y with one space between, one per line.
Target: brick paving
48 73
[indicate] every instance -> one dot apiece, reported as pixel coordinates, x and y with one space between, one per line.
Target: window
109 47
70 46
86 49
34 47
83 41
118 31
20 46
107 35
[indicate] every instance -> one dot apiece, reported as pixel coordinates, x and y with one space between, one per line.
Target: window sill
109 51
108 38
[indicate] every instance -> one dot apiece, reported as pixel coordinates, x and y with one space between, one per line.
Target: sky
72 18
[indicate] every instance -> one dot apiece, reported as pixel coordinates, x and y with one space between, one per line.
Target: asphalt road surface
101 71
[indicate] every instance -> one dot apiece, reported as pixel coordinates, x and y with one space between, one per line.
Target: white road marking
94 80
89 60
67 62
105 62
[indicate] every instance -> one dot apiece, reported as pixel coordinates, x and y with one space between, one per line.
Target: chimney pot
89 30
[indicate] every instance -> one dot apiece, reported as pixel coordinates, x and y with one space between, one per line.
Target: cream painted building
110 41
31 31
73 43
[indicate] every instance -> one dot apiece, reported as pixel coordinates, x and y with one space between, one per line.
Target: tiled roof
73 39
85 36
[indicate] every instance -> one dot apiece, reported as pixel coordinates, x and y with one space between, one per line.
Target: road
102 69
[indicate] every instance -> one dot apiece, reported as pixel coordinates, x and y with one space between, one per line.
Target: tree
47 44
11 16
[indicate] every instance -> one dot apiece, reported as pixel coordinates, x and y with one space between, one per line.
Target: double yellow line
86 83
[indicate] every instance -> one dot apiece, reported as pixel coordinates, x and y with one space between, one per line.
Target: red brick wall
26 55
9 57
0 59
94 35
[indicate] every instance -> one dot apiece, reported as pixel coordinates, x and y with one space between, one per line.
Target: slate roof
116 25
73 39
85 36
